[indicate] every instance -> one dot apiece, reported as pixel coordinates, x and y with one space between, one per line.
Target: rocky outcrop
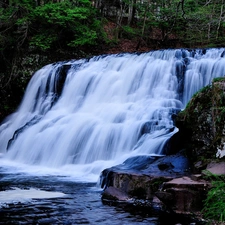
166 181
216 168
201 125
184 194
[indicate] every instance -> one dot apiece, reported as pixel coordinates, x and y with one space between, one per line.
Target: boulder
142 176
201 125
167 179
126 176
138 186
183 195
217 168
112 193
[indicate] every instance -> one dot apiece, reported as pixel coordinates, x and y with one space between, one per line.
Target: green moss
218 79
202 121
200 96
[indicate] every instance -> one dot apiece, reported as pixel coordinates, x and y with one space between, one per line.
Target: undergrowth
214 204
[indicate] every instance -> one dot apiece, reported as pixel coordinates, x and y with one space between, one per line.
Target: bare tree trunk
97 3
119 21
209 28
220 19
145 18
130 12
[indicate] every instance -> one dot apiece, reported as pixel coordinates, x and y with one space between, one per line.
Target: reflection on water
80 203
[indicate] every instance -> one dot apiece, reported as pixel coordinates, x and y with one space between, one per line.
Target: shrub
214 204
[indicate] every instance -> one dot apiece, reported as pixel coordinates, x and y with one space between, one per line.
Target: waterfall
105 109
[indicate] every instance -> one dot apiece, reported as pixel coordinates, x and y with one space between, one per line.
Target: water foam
80 117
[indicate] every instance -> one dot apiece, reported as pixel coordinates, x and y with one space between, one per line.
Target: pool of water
80 204
30 199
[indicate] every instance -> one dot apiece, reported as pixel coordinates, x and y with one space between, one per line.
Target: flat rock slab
216 168
184 195
185 182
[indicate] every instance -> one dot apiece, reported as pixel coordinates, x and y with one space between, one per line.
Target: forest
75 23
56 30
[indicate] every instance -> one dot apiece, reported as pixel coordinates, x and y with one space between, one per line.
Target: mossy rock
202 122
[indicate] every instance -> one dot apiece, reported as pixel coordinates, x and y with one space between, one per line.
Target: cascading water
92 114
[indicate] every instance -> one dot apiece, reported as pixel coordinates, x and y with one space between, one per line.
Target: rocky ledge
163 181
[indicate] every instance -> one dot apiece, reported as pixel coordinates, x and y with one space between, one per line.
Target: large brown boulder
184 194
130 185
167 179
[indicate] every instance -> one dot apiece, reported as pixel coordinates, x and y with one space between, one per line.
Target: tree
46 24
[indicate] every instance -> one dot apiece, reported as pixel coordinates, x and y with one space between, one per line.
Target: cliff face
201 124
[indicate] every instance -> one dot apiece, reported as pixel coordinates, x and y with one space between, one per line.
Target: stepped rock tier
82 117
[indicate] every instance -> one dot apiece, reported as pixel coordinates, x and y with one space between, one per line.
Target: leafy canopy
51 24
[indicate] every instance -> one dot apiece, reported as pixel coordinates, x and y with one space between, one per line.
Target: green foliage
43 41
74 23
129 32
214 205
50 25
89 37
218 79
202 90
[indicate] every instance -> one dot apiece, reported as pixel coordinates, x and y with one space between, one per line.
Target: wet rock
201 124
196 177
140 177
137 186
112 193
145 168
183 195
167 179
165 166
217 168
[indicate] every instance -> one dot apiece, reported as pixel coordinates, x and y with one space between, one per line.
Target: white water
16 195
97 121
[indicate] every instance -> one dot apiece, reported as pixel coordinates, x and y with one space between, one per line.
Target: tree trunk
131 12
220 19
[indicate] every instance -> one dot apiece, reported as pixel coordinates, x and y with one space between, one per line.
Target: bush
214 205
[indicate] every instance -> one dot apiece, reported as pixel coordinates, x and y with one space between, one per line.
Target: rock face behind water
177 180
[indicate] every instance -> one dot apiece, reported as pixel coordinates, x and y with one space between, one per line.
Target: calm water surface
81 203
